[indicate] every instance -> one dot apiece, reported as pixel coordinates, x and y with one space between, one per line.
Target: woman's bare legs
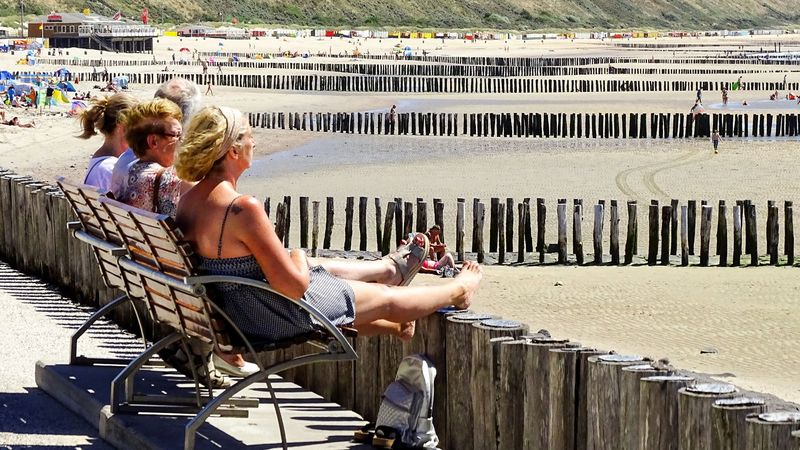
377 271
446 261
376 301
404 331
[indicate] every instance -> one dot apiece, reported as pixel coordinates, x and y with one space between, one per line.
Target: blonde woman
153 131
233 236
103 117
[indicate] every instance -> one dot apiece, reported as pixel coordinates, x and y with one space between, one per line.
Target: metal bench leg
130 370
110 306
210 407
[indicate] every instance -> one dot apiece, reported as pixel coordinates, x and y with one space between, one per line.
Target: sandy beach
748 316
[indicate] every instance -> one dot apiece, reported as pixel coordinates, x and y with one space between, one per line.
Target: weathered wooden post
521 235
598 234
614 231
722 234
304 222
737 235
287 224
694 413
632 234
536 410
487 337
772 430
408 222
460 229
788 232
362 223
493 222
509 224
577 234
652 251
630 378
475 202
603 399
541 216
705 234
422 217
326 243
674 227
753 235
387 229
666 217
280 221
348 223
561 211
692 224
501 233
314 227
773 234
510 404
684 236
728 423
399 222
658 411
378 217
478 225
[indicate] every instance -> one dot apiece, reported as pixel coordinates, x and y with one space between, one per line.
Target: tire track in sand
621 180
650 177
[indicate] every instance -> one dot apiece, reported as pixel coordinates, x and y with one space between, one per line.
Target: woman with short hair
153 130
104 118
233 236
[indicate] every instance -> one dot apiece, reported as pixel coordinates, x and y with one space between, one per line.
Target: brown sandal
418 248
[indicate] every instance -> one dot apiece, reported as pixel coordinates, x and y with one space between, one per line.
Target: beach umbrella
62 72
184 49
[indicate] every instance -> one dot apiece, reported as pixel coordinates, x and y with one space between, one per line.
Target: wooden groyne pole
694 413
728 425
658 411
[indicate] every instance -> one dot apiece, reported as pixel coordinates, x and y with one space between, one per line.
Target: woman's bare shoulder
248 206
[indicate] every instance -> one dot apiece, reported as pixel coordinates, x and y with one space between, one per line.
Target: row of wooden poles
501 387
394 83
452 70
498 386
536 125
663 227
558 61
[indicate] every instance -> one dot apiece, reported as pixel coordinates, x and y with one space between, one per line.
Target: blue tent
62 72
6 75
67 86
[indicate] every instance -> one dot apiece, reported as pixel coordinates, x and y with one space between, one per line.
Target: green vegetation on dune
520 15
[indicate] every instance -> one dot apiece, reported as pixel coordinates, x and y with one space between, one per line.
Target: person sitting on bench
232 235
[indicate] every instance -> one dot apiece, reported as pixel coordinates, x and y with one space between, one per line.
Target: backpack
405 417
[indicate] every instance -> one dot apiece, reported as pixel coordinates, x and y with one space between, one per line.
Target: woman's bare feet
407 331
470 277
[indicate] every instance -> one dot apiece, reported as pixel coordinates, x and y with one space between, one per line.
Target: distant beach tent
67 86
407 51
122 81
184 49
76 107
6 75
62 72
736 86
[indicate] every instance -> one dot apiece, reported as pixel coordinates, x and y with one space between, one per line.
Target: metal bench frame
128 256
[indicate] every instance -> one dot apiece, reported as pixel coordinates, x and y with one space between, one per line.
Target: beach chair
179 299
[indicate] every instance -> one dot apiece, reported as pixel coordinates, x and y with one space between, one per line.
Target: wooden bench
144 254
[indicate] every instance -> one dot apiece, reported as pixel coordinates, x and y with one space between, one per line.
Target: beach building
92 31
195 31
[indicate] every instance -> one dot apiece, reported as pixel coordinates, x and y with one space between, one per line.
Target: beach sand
747 315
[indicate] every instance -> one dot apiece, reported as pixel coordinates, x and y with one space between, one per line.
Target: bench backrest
161 260
94 220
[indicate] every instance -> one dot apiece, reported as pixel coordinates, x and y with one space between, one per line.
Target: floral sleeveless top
141 185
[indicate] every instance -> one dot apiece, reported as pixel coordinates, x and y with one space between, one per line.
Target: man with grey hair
180 91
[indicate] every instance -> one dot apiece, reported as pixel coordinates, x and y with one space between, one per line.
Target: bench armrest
97 242
311 310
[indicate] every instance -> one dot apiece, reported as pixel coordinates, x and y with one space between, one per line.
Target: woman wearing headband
233 236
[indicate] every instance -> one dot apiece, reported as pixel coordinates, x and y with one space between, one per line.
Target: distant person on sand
209 91
697 109
15 122
724 96
715 138
699 95
205 66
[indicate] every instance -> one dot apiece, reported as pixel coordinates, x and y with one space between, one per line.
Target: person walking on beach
205 66
724 96
209 91
699 95
715 138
